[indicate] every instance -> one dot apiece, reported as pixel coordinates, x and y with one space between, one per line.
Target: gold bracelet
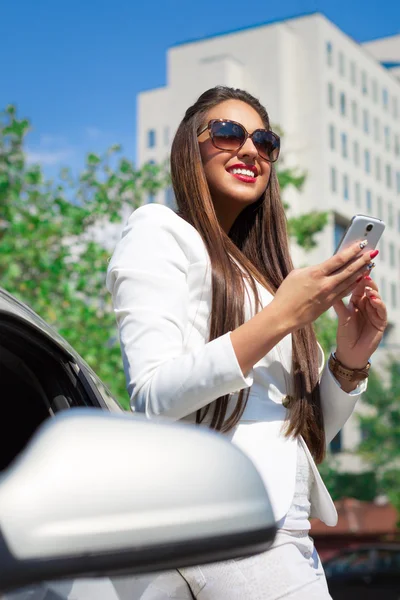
353 375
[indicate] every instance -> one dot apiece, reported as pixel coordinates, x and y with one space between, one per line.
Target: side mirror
100 494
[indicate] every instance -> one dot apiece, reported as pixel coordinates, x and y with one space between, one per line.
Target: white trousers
290 570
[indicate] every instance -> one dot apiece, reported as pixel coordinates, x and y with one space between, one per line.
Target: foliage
49 256
362 486
380 445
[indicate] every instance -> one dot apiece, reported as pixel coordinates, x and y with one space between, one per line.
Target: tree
49 256
380 445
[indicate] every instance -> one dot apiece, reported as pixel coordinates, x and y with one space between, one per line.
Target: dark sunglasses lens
267 144
226 135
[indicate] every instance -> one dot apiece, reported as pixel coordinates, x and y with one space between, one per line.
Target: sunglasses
229 135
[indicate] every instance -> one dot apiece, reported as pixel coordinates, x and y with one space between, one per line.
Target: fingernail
359 279
369 289
374 253
373 297
368 278
363 244
371 266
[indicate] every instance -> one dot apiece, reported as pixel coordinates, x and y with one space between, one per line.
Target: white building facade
339 109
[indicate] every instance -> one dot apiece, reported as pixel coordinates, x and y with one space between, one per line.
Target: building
338 104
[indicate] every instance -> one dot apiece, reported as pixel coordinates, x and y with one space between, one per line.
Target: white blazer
160 280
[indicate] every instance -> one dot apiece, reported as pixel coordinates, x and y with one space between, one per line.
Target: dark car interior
37 380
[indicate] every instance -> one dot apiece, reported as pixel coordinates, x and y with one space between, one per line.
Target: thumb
341 310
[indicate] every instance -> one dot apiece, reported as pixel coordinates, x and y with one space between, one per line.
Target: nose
248 149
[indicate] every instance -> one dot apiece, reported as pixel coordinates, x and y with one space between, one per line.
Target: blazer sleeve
337 405
147 277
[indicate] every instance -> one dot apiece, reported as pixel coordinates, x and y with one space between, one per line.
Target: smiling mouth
246 175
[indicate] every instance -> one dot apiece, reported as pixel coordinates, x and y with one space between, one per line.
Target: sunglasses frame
246 133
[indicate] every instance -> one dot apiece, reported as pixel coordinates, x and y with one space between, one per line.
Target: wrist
348 378
350 363
283 322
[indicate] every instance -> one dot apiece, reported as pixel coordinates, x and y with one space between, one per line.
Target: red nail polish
359 279
374 253
368 278
373 297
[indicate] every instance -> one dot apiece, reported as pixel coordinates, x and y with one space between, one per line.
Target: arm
147 278
337 404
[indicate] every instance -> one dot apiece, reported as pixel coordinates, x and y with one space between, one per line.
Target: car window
387 560
351 562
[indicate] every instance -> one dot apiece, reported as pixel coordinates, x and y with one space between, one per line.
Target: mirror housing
96 494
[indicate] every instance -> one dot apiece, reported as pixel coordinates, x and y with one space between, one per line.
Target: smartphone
362 227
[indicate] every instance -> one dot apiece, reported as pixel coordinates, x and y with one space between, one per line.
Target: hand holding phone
362 228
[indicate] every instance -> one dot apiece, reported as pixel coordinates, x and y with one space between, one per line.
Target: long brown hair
256 244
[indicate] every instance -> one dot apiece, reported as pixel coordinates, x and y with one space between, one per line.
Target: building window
379 207
390 215
398 221
333 179
389 176
353 74
377 130
398 182
367 161
336 444
342 103
331 95
382 249
393 295
397 145
374 91
356 153
357 193
341 64
385 98
151 138
378 172
329 53
170 198
387 137
395 107
151 198
346 187
332 137
364 86
366 120
166 135
392 258
383 288
368 200
344 145
354 113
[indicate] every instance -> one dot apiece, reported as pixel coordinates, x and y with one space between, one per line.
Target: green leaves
48 257
305 227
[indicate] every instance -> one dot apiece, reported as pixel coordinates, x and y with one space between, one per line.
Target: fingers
376 302
342 258
357 269
346 288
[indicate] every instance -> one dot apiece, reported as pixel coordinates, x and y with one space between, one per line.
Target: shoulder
158 216
155 232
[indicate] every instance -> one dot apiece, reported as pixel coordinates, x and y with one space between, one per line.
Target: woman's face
230 193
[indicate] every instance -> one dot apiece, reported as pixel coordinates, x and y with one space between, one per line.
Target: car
83 492
365 571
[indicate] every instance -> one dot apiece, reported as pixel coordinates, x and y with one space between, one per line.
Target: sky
75 67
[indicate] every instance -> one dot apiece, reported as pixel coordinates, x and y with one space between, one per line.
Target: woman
216 329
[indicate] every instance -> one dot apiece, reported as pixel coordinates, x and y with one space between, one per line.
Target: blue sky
74 68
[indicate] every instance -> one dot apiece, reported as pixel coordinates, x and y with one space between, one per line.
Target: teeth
246 172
